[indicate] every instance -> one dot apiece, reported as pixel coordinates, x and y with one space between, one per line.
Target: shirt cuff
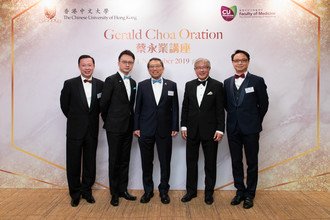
183 128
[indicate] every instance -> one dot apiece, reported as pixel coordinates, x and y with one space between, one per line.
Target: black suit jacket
80 117
209 116
251 107
116 108
150 117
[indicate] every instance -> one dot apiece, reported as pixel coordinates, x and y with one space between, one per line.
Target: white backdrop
283 51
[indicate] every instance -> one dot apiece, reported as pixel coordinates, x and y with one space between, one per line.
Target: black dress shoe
209 199
188 197
146 197
114 200
127 196
248 203
89 199
237 200
75 202
164 198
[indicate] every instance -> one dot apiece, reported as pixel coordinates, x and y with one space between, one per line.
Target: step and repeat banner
42 40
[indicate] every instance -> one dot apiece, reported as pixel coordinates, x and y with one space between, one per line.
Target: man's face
202 70
86 67
126 64
155 69
240 63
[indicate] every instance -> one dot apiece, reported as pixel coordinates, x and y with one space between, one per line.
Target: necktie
201 82
87 80
156 81
239 76
127 77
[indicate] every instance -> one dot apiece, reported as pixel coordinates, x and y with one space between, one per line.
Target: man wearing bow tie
202 122
246 102
156 121
80 104
117 112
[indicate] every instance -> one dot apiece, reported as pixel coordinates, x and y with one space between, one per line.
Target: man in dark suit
156 121
202 122
80 104
117 112
246 102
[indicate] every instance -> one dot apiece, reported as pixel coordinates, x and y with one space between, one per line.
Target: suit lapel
122 87
243 87
194 92
133 89
164 91
149 87
207 90
93 99
82 93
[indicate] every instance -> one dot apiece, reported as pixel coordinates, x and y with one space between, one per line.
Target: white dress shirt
88 90
157 88
239 81
200 92
127 84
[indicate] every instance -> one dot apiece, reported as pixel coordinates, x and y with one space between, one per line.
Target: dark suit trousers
77 150
210 149
119 157
237 141
164 149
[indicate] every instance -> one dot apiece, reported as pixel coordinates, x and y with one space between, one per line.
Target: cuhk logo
50 12
228 14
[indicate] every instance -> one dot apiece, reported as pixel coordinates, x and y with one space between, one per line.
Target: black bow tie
86 80
239 76
201 82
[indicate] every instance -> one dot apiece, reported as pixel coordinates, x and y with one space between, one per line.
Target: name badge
249 90
99 95
170 93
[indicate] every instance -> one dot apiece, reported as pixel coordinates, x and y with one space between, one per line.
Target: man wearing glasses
246 102
202 122
117 103
156 121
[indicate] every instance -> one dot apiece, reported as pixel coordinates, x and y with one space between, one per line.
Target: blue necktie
156 81
127 77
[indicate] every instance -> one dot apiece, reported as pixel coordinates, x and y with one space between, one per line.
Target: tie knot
239 76
127 77
156 81
87 80
201 82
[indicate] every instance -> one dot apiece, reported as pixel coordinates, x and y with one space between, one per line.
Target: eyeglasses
202 68
241 61
127 62
155 67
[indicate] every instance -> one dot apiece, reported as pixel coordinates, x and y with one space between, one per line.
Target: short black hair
156 59
126 52
240 51
84 57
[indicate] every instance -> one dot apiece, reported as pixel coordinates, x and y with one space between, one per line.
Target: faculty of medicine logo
228 14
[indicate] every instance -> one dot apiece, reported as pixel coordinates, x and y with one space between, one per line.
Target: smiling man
202 122
79 99
156 121
246 102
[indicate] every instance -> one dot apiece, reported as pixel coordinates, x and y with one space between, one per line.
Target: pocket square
99 95
210 93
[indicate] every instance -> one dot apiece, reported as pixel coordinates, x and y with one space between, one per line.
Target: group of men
155 121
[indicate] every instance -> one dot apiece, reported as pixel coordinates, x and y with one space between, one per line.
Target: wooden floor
55 204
